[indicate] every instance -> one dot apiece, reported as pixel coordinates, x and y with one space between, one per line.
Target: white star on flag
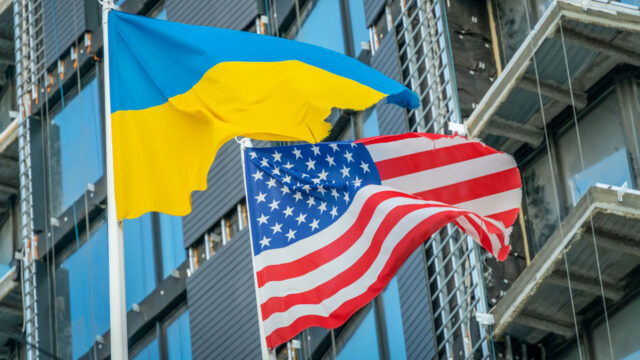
288 212
274 204
291 235
365 167
314 224
257 175
330 160
276 156
260 197
264 242
345 171
348 156
262 219
276 228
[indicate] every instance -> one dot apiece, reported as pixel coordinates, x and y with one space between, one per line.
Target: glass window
371 127
138 259
393 318
363 343
75 145
215 239
85 273
359 29
603 150
231 225
179 338
162 15
6 245
348 132
149 352
244 213
540 199
173 253
199 254
323 26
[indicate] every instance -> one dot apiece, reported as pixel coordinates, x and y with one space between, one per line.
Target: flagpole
266 353
117 294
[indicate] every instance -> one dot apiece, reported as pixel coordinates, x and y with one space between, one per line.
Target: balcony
606 219
597 37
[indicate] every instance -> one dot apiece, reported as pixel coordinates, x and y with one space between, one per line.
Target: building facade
555 83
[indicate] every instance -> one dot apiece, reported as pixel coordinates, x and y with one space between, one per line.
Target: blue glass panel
76 148
150 352
393 318
363 344
173 252
88 278
179 338
138 259
323 27
371 127
612 170
359 29
162 15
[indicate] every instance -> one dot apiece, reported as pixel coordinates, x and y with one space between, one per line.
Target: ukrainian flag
179 92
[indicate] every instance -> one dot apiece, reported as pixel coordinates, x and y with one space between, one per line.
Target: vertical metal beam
629 101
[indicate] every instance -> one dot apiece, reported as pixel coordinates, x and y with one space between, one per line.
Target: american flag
331 223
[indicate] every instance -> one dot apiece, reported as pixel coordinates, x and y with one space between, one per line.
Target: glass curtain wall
74 156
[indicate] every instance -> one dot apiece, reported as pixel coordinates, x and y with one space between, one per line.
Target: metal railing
452 259
29 52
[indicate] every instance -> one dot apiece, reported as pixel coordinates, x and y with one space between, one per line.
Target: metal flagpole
117 297
266 353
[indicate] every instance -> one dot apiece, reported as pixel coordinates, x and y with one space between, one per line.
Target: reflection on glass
601 147
179 338
215 239
393 318
363 343
150 352
612 170
371 127
359 29
323 27
75 145
541 201
162 15
173 253
231 225
86 273
6 246
138 259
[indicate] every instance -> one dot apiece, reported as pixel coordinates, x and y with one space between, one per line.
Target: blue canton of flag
296 191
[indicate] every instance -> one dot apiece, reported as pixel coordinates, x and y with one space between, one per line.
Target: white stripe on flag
327 306
319 240
451 174
493 204
339 264
409 146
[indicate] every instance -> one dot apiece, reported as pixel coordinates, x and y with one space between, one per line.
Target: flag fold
331 223
178 92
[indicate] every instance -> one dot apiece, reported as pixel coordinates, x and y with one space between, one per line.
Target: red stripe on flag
431 159
400 253
506 217
475 188
349 275
334 249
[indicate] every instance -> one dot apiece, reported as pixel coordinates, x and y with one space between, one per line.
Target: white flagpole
117 294
266 353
